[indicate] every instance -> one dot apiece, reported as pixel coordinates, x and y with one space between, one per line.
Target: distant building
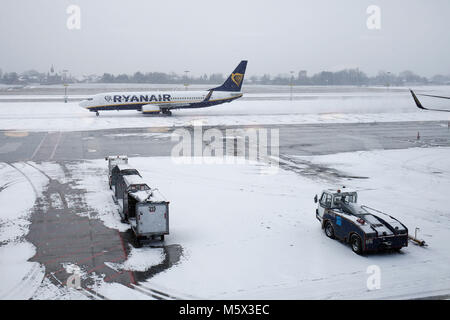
52 77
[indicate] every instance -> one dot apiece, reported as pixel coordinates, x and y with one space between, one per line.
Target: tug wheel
329 231
355 242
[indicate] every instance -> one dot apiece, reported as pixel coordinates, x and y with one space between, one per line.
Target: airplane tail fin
234 81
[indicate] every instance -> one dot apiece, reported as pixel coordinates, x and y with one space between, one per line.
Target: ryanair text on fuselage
140 98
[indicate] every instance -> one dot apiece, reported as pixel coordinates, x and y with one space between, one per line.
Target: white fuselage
157 101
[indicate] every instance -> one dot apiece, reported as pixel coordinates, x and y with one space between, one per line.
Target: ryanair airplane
163 102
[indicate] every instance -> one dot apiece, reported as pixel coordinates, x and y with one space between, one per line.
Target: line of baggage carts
144 208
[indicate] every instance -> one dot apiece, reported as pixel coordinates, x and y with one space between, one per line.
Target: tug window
328 200
325 200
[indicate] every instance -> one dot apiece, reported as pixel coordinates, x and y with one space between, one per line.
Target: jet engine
150 108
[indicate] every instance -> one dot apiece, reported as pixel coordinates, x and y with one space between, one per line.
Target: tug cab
332 199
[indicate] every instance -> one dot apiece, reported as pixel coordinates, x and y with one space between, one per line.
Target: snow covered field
271 109
250 233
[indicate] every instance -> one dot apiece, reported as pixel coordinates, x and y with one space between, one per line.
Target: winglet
416 100
420 106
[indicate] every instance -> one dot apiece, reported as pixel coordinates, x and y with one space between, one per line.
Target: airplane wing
420 106
429 95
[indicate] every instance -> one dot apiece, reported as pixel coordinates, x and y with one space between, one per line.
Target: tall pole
65 92
186 80
291 83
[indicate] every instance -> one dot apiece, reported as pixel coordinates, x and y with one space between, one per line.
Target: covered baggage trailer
363 227
114 161
117 174
145 209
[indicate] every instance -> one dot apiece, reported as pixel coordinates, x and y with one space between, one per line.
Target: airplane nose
84 104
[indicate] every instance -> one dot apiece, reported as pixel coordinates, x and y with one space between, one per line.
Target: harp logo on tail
237 78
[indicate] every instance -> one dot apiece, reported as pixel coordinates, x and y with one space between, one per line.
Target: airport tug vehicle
365 228
145 209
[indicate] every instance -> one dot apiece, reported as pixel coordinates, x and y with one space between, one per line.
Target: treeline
351 77
343 77
160 77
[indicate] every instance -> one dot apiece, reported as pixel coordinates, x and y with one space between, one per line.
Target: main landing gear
166 112
96 113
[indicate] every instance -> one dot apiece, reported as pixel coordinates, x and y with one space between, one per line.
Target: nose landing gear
96 113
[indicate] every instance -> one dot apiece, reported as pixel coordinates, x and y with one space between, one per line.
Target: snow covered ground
271 109
20 185
249 233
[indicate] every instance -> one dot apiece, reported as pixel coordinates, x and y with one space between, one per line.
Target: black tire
138 242
355 243
162 238
329 230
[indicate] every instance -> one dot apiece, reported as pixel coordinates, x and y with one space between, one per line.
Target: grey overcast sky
206 36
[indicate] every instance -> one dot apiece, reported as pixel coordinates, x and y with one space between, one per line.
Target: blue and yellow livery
163 102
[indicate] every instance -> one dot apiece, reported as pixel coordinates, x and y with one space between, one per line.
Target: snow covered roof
147 195
133 180
122 157
342 190
124 166
141 196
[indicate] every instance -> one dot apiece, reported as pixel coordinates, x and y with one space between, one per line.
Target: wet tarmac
309 139
65 235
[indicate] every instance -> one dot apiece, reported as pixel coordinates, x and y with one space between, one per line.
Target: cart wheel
355 242
162 238
329 231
